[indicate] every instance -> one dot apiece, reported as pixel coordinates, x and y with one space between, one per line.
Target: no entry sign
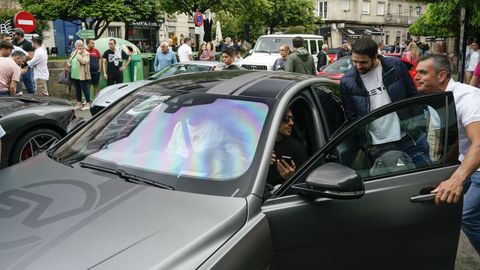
25 21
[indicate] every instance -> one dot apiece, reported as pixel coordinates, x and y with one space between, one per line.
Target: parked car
113 92
266 48
173 176
32 125
336 70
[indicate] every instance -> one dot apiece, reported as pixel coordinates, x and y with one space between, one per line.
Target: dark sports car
32 125
174 176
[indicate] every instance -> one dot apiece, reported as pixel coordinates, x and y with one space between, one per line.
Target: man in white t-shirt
2 133
434 75
471 61
185 51
374 82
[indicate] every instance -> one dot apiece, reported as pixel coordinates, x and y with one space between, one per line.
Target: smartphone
288 159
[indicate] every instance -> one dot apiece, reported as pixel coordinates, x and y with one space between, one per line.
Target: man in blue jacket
164 57
377 81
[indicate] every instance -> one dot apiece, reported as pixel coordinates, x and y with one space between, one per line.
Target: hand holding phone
287 159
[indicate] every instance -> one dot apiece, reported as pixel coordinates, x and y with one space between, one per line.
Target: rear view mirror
332 180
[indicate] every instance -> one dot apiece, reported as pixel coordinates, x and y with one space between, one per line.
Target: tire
33 143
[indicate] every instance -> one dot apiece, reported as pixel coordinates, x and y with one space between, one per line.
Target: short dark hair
114 41
90 39
18 53
297 42
6 45
37 40
365 46
440 62
186 40
19 32
230 51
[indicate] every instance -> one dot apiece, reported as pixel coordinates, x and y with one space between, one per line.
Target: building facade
383 20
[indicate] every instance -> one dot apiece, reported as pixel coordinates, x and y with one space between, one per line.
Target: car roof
293 35
201 63
260 84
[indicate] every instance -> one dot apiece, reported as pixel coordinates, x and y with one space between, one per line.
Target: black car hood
10 105
56 217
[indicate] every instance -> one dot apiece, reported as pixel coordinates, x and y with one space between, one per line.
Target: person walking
208 54
300 60
27 77
95 65
39 65
185 51
164 57
10 72
344 51
113 66
434 75
413 53
471 60
322 57
228 58
279 64
79 64
376 81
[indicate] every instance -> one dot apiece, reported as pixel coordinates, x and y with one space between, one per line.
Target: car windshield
178 69
271 44
342 65
170 135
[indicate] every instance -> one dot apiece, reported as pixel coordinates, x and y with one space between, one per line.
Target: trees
96 14
442 18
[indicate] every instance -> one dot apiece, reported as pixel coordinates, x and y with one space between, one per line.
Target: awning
374 32
352 32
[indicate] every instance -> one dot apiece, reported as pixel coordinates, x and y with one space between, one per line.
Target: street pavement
467 258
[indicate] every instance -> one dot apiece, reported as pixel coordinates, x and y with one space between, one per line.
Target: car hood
10 105
114 92
56 217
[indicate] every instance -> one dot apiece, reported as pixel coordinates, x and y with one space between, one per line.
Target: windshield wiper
127 176
58 159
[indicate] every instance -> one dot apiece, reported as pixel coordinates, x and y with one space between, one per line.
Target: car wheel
33 143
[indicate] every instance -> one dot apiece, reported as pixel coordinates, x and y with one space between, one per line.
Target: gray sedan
175 176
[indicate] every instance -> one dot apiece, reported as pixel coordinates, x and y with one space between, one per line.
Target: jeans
471 210
81 86
27 80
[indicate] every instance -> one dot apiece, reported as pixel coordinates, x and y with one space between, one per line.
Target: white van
266 52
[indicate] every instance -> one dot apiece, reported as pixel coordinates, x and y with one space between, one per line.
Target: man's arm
13 88
156 62
450 190
105 68
122 68
34 61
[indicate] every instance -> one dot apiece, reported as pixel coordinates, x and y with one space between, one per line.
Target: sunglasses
287 118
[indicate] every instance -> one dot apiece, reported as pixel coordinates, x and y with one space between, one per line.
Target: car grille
255 67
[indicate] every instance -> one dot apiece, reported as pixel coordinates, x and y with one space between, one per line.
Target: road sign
25 21
85 33
198 18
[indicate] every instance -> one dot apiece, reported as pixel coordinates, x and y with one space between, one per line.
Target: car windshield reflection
194 135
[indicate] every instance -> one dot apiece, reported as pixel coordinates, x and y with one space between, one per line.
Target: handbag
64 77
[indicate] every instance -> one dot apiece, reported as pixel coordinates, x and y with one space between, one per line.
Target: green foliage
299 29
99 12
191 6
7 14
442 18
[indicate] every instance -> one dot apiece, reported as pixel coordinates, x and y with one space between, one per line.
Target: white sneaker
20 93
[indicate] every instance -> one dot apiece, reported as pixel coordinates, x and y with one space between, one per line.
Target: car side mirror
75 123
332 180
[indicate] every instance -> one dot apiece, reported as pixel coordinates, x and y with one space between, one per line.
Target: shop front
145 35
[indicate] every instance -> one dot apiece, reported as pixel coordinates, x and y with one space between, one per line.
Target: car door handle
423 198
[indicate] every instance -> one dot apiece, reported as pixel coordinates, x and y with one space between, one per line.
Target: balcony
399 19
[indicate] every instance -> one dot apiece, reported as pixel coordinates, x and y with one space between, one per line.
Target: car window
331 107
414 137
313 47
186 136
271 44
342 65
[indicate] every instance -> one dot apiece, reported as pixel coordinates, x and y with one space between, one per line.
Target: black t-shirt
114 62
25 44
288 146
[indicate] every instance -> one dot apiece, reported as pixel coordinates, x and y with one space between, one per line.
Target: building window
399 9
345 5
381 8
322 9
366 7
114 31
389 8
